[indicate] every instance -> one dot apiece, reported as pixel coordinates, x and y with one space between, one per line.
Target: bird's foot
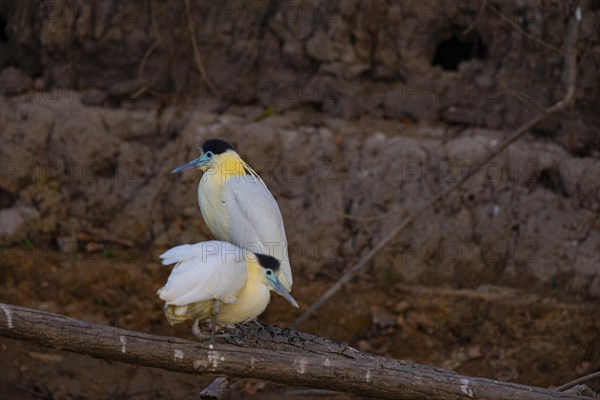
210 337
258 324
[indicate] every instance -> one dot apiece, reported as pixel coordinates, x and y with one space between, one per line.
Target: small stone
582 368
474 352
191 211
364 345
383 319
14 81
93 97
402 306
66 244
581 390
39 84
16 222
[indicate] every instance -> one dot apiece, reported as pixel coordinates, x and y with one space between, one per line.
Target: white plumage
245 212
219 280
238 207
204 271
229 282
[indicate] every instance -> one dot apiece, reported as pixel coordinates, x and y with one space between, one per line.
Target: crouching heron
218 281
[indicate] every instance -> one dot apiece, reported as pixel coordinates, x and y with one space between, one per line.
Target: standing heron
238 207
220 281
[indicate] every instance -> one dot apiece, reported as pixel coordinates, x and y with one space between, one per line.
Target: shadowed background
344 108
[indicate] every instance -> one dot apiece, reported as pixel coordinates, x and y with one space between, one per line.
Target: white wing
204 271
255 221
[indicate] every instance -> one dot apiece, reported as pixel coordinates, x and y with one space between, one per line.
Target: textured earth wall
72 172
488 64
372 107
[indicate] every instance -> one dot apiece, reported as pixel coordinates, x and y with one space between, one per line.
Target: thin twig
475 21
368 218
217 390
521 31
579 381
519 96
566 101
197 57
141 68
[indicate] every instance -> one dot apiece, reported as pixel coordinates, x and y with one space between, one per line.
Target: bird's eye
209 154
269 272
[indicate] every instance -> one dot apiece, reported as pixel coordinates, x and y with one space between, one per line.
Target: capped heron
237 206
220 281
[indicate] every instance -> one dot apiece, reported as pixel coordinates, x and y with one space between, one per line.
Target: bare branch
217 390
521 31
566 101
477 18
578 381
197 57
291 358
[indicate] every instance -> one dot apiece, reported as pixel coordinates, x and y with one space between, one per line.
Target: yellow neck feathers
226 166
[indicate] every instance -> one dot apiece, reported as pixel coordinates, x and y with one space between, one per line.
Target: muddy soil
495 332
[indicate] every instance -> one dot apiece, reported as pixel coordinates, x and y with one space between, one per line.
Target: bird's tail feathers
177 254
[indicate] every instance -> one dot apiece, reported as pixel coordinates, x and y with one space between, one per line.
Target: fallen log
263 352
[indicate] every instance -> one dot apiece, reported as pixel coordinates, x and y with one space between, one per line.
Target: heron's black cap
216 146
267 261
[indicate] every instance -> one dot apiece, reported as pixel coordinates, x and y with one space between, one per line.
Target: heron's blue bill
192 164
281 290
